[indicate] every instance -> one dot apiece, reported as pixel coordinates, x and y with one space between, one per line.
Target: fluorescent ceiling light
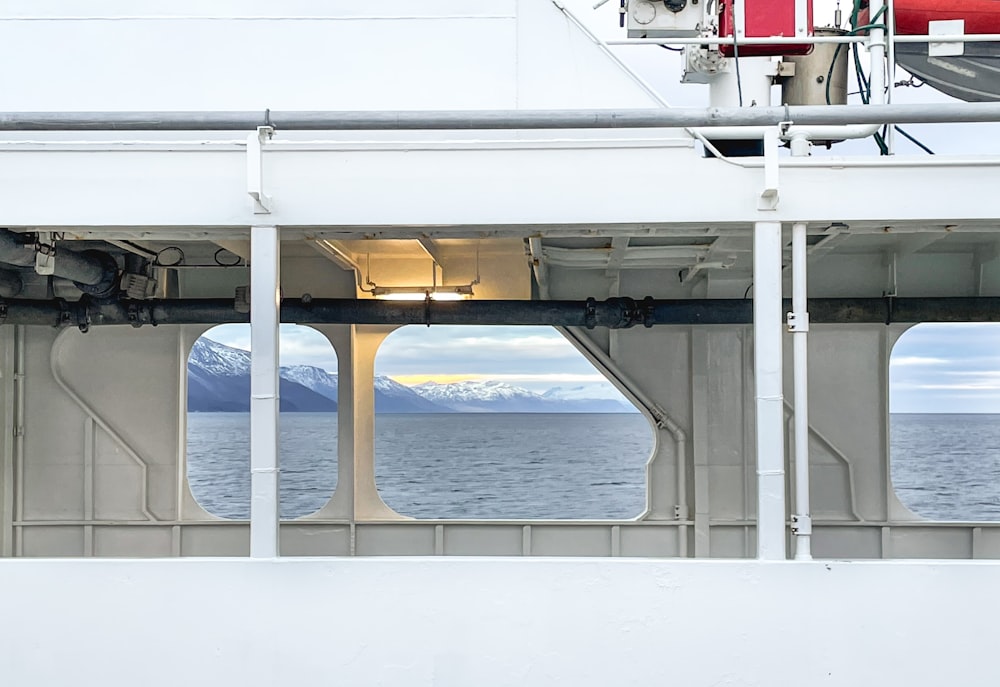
419 293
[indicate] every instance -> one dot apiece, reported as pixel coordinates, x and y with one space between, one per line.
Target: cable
913 140
736 54
829 74
667 47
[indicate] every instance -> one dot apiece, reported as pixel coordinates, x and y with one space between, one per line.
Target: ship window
944 400
218 421
503 422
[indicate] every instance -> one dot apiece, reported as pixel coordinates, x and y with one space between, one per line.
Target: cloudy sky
934 368
946 368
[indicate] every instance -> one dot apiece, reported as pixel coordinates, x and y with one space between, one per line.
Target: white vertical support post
767 333
264 318
739 19
802 27
890 58
798 325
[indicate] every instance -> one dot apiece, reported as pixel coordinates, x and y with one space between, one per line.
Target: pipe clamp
797 322
802 525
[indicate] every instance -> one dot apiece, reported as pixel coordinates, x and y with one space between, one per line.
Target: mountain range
219 381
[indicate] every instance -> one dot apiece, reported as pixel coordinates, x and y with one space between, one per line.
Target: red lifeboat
981 16
973 76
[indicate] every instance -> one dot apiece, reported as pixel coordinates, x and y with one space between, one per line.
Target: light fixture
421 293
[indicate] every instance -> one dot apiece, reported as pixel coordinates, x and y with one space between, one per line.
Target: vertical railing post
767 332
798 325
264 319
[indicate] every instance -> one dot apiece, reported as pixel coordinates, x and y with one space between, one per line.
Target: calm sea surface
947 467
467 465
944 467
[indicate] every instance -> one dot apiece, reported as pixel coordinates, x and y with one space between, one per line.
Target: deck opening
504 423
944 403
218 421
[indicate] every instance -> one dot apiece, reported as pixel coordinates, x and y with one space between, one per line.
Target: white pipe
890 35
767 332
18 439
264 302
799 326
816 40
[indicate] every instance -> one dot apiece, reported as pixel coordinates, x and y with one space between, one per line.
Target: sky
946 368
934 368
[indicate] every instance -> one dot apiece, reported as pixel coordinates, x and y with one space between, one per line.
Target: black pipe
91 271
11 283
614 313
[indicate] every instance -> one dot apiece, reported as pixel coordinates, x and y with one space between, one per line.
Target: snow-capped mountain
468 392
393 397
499 397
215 359
219 381
315 378
585 392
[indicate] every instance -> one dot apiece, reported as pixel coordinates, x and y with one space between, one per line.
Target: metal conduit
614 313
501 119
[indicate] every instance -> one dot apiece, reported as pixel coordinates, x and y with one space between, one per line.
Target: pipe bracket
590 313
648 312
83 315
255 168
65 314
629 312
801 525
133 316
797 322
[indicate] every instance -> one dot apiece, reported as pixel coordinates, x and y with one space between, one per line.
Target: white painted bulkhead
93 454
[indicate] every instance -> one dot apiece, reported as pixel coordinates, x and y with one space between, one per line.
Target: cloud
916 360
537 358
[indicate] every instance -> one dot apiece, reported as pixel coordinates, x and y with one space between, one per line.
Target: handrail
814 40
465 120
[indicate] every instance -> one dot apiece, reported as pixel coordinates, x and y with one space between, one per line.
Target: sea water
457 465
947 467
943 467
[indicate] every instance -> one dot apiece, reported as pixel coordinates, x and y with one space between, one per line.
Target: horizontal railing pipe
803 40
614 313
503 119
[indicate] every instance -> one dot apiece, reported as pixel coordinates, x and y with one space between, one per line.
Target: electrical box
764 19
665 18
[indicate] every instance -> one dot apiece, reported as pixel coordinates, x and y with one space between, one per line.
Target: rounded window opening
218 421
504 423
944 404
